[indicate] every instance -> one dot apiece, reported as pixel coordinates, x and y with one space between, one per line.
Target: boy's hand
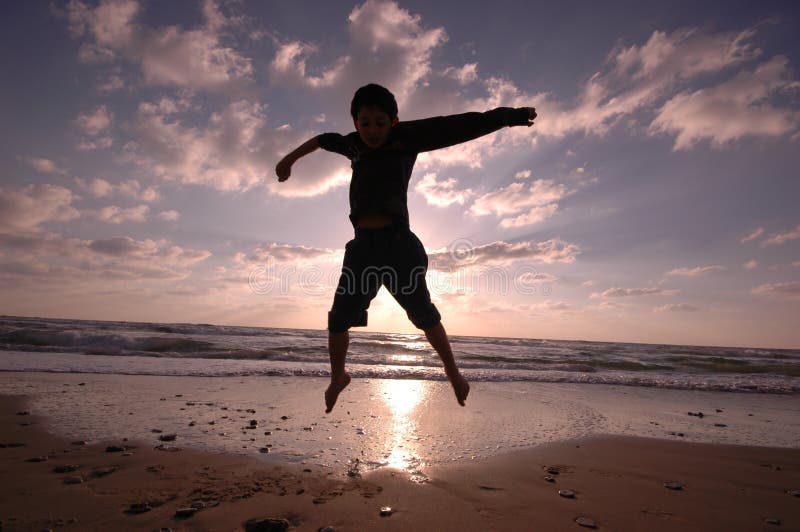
531 115
284 170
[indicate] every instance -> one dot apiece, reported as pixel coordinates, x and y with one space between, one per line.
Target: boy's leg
437 336
337 349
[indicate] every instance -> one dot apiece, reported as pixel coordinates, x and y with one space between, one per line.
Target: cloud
616 292
45 166
464 75
523 174
95 122
441 193
694 272
27 208
677 307
749 237
530 202
131 188
731 110
116 215
789 289
750 265
169 216
171 55
782 238
503 253
287 254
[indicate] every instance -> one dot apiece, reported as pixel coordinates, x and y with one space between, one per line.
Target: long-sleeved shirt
380 175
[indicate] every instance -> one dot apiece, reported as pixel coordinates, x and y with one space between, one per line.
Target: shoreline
618 482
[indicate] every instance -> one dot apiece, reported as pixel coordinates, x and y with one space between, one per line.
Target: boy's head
374 112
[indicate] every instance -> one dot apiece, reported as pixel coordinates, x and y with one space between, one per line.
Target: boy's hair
374 95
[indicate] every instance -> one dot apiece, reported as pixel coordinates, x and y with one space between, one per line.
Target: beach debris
138 508
103 471
167 437
37 459
264 450
567 494
9 445
308 428
168 448
586 522
794 493
773 521
115 449
76 479
268 433
696 414
269 524
550 479
251 410
360 431
185 512
673 486
66 468
386 511
190 403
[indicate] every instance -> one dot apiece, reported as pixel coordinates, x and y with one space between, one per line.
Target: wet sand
618 483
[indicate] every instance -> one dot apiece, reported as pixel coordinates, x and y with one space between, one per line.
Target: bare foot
332 393
460 386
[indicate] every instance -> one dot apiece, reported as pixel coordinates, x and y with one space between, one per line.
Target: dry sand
618 483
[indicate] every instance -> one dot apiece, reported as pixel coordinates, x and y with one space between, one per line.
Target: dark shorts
392 257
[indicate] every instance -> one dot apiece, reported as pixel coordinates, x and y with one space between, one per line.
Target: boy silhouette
384 251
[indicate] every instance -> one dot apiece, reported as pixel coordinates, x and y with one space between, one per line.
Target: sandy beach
616 481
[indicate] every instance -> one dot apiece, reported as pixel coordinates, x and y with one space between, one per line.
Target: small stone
138 508
795 493
78 442
773 521
586 522
300 491
198 505
308 428
37 459
720 425
115 449
185 512
567 494
10 445
386 511
553 471
67 468
127 454
718 410
24 413
251 411
192 423
77 479
284 418
268 433
167 437
157 431
673 486
270 524
264 450
550 479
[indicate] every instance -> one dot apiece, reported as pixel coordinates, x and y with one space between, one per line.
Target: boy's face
374 126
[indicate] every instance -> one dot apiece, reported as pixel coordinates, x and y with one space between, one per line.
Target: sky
654 200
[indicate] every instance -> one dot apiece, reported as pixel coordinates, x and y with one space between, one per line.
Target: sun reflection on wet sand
402 397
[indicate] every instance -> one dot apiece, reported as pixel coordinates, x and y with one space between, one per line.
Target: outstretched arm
284 167
444 131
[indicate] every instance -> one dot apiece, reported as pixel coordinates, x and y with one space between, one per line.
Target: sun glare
402 397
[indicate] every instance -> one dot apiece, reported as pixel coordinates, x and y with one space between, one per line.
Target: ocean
200 350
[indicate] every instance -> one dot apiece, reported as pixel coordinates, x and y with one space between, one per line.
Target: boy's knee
339 322
425 318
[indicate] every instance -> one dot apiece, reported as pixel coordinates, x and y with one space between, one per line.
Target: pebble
720 425
553 471
67 468
264 450
185 512
13 444
548 478
77 479
157 431
586 522
37 459
386 511
673 486
115 449
24 413
696 414
567 494
773 521
269 524
198 505
795 493
78 442
284 418
138 508
167 437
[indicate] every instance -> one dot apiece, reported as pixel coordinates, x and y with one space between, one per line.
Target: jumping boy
384 251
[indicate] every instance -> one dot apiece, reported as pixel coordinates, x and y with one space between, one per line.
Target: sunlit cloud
616 292
27 208
789 289
116 215
441 193
44 166
749 237
750 265
504 253
781 238
694 272
677 307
